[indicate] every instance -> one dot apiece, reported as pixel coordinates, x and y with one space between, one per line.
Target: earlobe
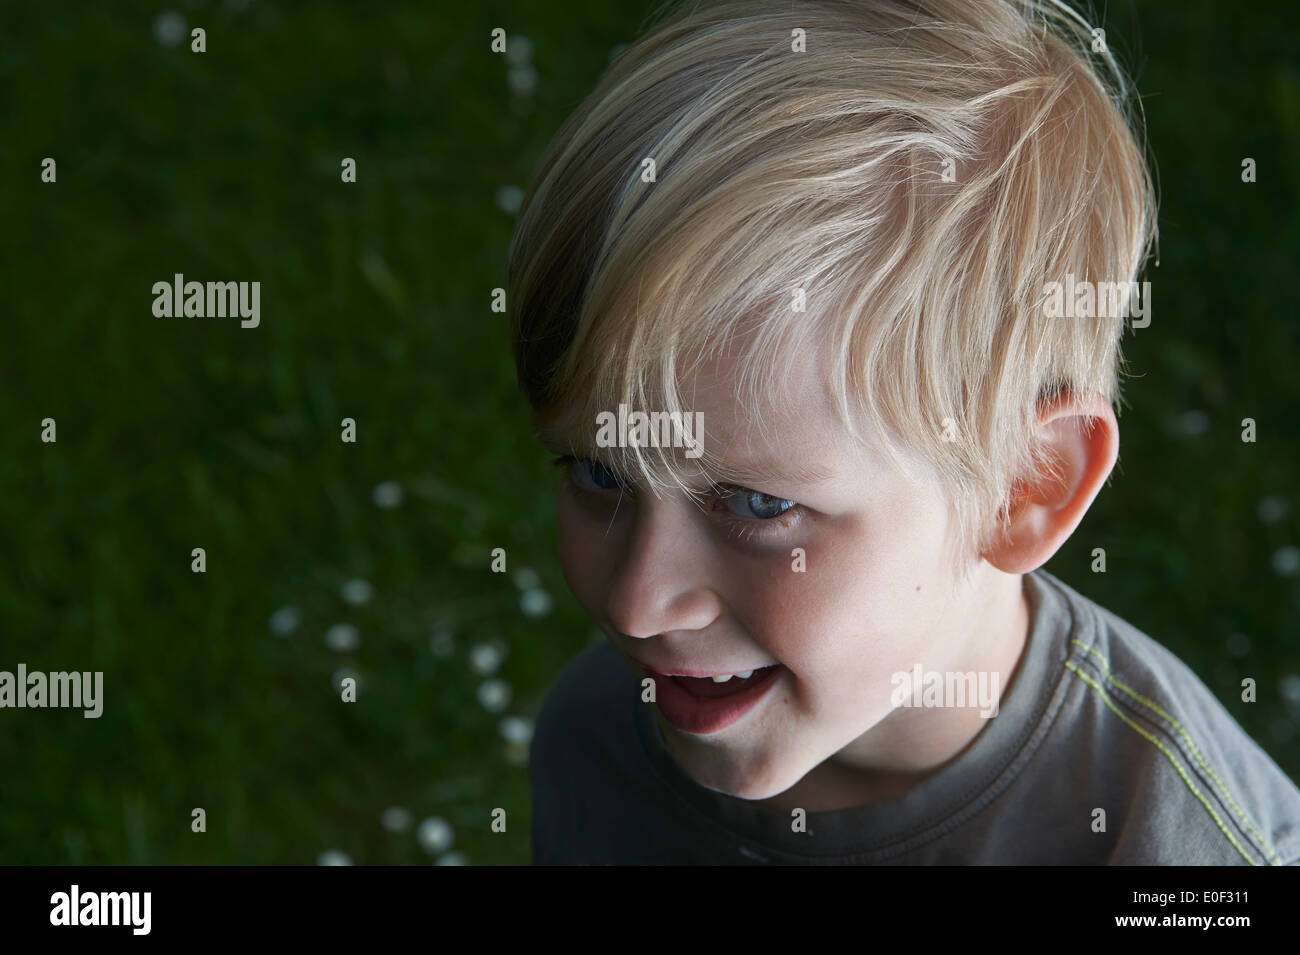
1080 436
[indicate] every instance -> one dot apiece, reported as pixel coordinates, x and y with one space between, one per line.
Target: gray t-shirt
1099 717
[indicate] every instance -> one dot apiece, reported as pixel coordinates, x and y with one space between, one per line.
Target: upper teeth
723 679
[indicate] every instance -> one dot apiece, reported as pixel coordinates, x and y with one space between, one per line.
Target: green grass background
174 434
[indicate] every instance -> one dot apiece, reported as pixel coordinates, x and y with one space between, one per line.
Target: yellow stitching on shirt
1272 855
1170 756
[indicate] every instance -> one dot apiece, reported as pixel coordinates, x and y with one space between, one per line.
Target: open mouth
703 688
700 706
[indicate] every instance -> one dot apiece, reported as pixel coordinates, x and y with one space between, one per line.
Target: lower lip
702 717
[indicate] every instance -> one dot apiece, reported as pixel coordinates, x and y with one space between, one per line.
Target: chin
752 782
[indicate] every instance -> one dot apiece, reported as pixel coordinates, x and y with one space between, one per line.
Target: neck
913 743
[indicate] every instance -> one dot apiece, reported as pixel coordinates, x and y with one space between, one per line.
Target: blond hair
921 170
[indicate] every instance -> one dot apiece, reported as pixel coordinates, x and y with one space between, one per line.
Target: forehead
765 404
759 417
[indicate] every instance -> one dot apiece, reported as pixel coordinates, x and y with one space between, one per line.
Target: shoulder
583 758
1190 783
588 688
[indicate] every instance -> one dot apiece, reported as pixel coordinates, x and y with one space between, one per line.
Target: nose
663 581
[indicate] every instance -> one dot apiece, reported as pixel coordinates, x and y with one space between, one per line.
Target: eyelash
737 528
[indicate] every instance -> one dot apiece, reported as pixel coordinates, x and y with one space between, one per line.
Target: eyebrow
763 472
740 474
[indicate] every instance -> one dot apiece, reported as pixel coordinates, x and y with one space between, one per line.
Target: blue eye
763 506
601 476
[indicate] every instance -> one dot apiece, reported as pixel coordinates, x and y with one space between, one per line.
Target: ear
1081 435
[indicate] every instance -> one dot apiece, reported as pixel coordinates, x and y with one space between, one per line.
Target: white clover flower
435 835
1291 689
519 49
1271 509
484 659
395 819
535 603
526 578
441 643
516 729
285 621
452 858
358 592
509 198
1194 422
342 637
1286 561
169 28
334 857
494 695
522 80
388 495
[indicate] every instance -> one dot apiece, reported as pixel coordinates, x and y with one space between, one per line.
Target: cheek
585 553
856 609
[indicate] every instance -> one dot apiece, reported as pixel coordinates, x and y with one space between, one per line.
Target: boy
831 233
